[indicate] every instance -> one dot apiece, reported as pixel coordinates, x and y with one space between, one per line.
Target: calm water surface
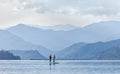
64 67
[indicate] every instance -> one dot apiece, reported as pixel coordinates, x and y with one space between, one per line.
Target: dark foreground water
64 67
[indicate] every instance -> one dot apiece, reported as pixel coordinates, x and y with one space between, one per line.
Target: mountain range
66 27
57 40
6 55
95 41
92 51
9 41
28 54
109 54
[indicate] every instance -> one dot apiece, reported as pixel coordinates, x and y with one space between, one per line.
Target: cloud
97 7
53 12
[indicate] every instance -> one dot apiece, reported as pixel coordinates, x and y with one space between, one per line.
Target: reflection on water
64 67
52 67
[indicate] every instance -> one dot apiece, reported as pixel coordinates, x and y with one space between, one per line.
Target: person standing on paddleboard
54 58
50 58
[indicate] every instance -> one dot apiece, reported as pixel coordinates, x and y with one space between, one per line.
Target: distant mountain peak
22 25
104 24
65 27
18 26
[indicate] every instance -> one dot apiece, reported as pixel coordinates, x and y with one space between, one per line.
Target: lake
64 67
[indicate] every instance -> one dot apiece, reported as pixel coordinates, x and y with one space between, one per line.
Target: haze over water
65 67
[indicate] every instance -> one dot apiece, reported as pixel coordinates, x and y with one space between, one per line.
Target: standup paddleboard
56 63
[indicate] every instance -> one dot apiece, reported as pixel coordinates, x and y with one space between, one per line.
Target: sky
56 12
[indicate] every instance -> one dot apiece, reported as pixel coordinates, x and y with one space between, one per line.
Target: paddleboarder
54 58
50 59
